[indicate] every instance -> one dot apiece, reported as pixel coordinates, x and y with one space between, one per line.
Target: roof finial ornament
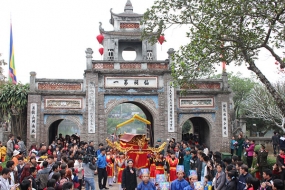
128 7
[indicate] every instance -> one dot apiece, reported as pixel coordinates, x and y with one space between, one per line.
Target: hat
179 168
187 149
192 173
158 140
144 171
76 163
16 152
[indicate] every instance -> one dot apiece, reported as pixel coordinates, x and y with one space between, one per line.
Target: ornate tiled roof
128 6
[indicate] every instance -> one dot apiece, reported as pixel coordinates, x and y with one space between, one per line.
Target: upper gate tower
126 36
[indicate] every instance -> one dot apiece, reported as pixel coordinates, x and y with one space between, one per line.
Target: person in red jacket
249 152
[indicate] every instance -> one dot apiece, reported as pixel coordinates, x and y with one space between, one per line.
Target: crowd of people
68 163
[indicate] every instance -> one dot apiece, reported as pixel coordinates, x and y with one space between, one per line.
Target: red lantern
161 39
100 38
101 51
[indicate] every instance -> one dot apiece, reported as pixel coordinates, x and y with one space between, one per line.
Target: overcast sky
51 36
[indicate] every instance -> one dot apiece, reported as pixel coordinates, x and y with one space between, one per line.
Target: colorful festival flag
12 68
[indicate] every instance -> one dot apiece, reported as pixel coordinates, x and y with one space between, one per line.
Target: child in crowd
193 177
180 182
146 184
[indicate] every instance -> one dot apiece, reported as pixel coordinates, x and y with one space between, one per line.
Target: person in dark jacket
42 176
243 176
129 178
262 159
268 181
232 180
193 161
275 142
281 162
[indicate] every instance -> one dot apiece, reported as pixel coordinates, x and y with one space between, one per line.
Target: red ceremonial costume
120 167
159 166
172 168
152 169
110 166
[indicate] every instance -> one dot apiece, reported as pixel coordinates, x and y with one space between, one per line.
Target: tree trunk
278 99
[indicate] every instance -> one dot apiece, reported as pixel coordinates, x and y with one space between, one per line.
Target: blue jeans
89 182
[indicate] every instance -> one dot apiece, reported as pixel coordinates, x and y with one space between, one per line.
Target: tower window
110 54
149 55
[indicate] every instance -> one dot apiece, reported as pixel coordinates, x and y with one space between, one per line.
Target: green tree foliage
233 31
13 106
186 127
241 87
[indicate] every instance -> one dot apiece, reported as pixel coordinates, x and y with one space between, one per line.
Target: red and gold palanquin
136 147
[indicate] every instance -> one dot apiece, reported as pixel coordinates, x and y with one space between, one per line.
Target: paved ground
115 185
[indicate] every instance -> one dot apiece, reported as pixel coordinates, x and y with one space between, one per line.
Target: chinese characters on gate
225 119
131 82
33 120
170 97
91 107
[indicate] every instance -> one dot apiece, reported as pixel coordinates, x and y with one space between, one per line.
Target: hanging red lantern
100 38
101 51
161 39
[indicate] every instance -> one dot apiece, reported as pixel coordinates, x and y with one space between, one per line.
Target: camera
88 158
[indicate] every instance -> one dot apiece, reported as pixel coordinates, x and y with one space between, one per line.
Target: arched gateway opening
199 130
64 127
125 111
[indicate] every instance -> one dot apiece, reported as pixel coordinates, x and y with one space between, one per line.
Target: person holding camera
90 168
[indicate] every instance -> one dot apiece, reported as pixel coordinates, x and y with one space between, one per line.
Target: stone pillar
33 81
89 57
225 81
170 52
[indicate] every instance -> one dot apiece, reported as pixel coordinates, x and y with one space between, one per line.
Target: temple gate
144 81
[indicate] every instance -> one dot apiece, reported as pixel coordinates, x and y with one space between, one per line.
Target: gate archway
55 122
201 127
149 116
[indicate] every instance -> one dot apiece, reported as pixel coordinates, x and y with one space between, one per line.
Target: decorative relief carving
157 66
103 66
130 65
63 103
58 86
196 102
202 86
129 25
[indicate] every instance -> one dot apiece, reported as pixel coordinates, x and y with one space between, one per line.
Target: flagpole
12 69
